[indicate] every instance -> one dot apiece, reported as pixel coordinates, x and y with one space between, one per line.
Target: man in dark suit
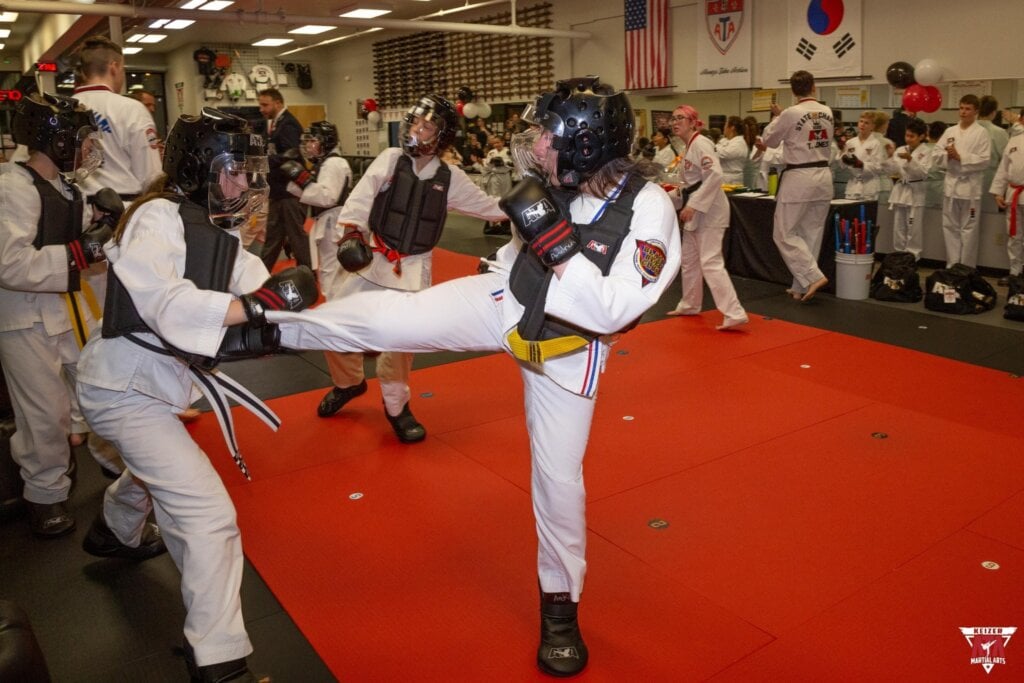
286 215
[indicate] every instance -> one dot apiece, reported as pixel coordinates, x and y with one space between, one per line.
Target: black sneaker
562 651
50 520
336 398
101 542
407 428
235 671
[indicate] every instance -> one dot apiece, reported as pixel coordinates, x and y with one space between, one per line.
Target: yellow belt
540 351
78 325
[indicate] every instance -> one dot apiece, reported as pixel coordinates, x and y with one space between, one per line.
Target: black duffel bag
1014 309
897 279
958 289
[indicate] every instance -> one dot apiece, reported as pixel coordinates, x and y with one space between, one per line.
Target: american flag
647 48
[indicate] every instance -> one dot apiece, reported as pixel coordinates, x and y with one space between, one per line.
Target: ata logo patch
649 259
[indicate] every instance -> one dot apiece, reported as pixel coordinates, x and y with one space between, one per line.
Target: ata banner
825 37
724 45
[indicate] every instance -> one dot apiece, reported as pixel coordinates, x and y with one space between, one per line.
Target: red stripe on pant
1014 198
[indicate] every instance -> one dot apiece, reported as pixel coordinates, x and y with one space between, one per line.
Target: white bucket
853 275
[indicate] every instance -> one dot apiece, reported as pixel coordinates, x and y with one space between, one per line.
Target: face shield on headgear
588 124
318 141
62 129
218 162
429 126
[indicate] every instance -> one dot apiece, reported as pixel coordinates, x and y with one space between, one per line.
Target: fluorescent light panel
192 4
152 38
365 13
4 32
8 16
312 29
131 50
179 24
272 42
217 5
1 46
159 23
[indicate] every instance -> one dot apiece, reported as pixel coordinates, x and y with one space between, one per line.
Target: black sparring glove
88 248
354 253
297 173
109 205
293 289
292 154
540 223
249 341
852 160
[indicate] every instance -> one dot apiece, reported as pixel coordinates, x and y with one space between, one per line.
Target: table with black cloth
750 251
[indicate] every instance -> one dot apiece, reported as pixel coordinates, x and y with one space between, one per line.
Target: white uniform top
911 189
864 182
665 156
766 161
150 262
998 137
32 280
131 147
333 175
701 165
964 177
463 196
732 155
1010 171
805 132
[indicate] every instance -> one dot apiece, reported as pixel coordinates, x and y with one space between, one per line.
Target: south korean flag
825 37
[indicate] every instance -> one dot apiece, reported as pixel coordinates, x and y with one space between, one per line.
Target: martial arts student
178 279
386 233
594 246
805 188
865 158
963 151
704 216
1006 190
45 316
732 151
912 162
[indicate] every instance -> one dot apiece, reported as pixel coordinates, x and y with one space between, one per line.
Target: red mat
798 545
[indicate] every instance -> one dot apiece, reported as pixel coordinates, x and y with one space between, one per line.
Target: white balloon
373 118
469 110
483 109
927 72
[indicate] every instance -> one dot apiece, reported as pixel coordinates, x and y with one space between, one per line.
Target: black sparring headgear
327 135
52 124
437 110
195 141
592 124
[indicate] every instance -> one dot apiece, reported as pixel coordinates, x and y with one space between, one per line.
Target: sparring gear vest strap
210 254
530 279
60 219
408 217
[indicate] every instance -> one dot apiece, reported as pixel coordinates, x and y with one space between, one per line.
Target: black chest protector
60 219
342 196
409 215
210 254
602 240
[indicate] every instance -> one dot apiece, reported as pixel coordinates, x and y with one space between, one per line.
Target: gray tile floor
104 620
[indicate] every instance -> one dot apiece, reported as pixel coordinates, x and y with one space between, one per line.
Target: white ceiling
246 33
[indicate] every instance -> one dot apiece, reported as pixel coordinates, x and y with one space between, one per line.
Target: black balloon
900 75
464 94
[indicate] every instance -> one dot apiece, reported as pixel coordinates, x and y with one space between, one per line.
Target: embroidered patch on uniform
599 247
152 138
687 164
437 187
649 259
706 163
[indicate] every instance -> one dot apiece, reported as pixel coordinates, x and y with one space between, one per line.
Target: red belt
392 255
1013 208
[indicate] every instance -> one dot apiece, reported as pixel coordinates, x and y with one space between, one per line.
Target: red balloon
914 98
932 99
458 107
370 104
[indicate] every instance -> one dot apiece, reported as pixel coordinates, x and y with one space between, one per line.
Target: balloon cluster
372 115
465 105
918 83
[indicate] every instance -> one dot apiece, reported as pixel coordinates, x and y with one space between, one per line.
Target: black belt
806 164
685 192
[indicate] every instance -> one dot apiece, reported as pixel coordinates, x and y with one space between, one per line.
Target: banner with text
724 45
825 37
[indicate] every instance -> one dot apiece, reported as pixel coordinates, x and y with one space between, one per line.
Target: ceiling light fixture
159 23
179 24
217 5
273 42
4 32
131 50
365 9
8 17
312 29
152 38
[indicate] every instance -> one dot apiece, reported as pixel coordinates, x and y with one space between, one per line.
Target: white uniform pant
462 315
35 365
393 368
960 230
173 477
907 229
798 231
702 260
1015 243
